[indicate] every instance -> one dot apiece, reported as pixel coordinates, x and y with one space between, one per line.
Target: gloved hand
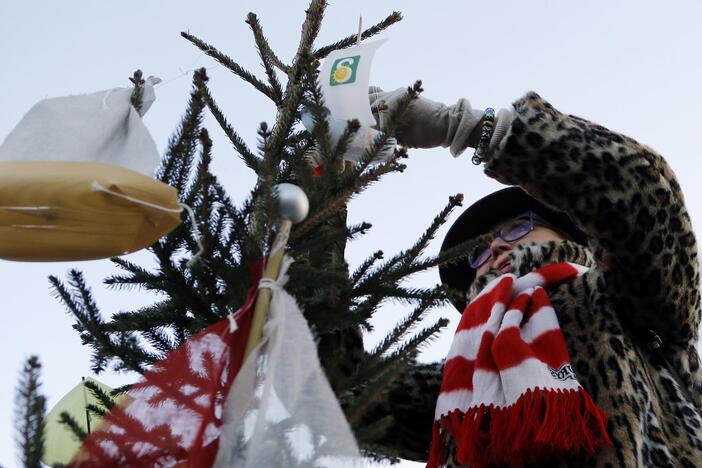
428 124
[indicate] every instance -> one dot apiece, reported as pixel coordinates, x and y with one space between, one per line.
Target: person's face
500 249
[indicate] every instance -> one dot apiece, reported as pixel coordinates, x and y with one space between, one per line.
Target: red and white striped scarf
509 394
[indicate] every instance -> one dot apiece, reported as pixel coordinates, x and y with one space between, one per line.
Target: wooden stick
264 294
360 28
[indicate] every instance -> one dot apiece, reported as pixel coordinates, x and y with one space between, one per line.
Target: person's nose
498 246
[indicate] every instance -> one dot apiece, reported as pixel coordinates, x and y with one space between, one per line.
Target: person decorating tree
577 341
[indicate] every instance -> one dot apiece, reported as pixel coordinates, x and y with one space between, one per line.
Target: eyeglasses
511 231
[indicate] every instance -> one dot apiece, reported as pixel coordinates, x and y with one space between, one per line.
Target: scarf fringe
539 425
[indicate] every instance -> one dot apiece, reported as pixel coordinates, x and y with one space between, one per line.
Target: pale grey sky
633 66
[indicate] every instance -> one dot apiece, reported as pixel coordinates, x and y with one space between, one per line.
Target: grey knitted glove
428 124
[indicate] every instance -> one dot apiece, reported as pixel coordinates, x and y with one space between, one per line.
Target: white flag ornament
77 180
344 77
280 410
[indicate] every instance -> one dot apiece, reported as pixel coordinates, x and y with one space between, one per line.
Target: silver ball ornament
292 202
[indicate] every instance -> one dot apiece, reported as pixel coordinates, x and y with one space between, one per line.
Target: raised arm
623 195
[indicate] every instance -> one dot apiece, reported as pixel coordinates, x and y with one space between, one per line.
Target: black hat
484 215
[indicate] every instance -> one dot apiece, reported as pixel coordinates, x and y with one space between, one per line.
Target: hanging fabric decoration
77 180
281 411
344 79
509 396
174 414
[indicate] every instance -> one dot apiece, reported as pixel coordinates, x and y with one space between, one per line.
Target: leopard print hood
526 257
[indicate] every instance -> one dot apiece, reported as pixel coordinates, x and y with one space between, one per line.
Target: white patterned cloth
101 127
281 410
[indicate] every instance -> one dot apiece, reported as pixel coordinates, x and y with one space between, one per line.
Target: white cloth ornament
344 78
77 180
101 127
280 410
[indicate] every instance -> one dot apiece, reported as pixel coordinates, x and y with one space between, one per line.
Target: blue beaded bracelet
488 127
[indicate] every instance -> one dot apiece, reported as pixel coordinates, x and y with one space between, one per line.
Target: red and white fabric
509 394
173 415
204 406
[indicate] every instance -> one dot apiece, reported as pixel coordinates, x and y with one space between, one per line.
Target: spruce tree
338 301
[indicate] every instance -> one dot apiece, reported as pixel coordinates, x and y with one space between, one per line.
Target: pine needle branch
139 278
405 326
411 254
294 89
252 21
230 64
162 313
197 193
160 339
95 409
288 113
366 266
30 417
310 28
268 177
456 253
251 160
268 58
106 400
404 262
74 426
322 241
355 187
394 290
352 127
416 342
348 41
320 131
181 147
90 325
375 365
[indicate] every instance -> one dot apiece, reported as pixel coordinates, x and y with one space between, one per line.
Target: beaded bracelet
485 136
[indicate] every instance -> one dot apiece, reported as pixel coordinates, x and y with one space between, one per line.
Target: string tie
277 284
96 186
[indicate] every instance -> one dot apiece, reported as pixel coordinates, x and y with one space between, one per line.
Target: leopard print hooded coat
630 323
